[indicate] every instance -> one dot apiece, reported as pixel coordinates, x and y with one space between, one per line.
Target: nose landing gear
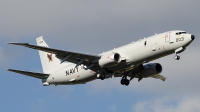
177 57
179 50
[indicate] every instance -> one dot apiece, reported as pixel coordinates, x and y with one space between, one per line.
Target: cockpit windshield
178 33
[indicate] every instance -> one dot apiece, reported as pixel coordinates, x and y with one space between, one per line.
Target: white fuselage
132 54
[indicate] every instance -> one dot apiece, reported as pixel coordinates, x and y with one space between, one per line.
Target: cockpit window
178 33
183 32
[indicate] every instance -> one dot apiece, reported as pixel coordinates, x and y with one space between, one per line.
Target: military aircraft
62 67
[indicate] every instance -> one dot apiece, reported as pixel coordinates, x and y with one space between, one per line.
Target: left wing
163 78
74 57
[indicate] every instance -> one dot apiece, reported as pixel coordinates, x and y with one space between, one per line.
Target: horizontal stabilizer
31 74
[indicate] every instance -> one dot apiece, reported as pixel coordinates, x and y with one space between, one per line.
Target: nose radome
192 37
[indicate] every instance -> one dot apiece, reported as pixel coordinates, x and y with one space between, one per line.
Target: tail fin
49 61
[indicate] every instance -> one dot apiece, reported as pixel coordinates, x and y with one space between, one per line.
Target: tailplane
49 61
31 74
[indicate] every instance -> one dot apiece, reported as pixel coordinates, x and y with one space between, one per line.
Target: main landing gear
125 81
101 76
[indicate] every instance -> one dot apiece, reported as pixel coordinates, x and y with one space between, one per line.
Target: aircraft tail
49 61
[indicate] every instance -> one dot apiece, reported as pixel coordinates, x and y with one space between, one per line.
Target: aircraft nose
192 37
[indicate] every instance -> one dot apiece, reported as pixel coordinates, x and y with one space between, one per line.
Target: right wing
31 74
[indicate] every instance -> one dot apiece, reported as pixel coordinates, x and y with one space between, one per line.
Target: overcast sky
94 26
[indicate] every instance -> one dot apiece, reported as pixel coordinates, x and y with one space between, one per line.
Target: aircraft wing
73 57
163 78
31 74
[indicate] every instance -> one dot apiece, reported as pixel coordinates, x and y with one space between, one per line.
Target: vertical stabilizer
49 61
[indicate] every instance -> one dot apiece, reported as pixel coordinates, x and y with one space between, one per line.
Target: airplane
62 67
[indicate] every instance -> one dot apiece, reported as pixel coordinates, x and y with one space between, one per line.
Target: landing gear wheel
127 82
102 77
123 81
177 57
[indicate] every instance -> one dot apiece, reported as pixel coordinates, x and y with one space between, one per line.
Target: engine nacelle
109 60
151 69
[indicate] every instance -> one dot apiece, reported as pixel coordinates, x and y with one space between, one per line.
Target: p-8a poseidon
62 67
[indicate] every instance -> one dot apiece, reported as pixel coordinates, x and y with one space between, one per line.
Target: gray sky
93 26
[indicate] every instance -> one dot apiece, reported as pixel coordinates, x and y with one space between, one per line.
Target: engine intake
151 69
110 60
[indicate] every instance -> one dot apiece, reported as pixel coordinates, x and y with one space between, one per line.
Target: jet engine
151 69
110 60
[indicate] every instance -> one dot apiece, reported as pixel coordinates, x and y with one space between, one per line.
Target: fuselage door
167 37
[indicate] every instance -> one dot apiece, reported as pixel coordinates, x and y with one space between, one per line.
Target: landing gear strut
125 81
177 51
